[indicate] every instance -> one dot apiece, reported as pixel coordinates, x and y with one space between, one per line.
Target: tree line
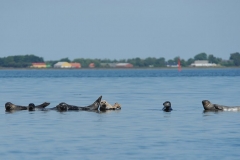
19 61
24 61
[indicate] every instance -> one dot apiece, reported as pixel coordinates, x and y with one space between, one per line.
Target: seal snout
103 104
205 103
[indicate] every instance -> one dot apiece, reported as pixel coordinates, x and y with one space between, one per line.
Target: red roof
124 65
91 65
75 65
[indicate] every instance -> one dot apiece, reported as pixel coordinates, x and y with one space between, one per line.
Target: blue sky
119 29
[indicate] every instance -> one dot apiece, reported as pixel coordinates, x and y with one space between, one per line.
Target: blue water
141 130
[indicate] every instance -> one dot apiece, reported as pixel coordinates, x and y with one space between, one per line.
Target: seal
167 106
207 105
32 107
93 107
10 106
104 105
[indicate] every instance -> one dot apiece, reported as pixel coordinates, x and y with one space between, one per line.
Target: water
141 130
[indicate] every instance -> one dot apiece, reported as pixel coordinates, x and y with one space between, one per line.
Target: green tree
189 61
227 63
200 56
65 60
235 57
213 59
160 62
137 62
20 61
183 63
82 61
150 61
170 61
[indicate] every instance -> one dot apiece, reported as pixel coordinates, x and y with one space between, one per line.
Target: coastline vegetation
25 61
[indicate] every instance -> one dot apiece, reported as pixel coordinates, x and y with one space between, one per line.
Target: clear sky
119 29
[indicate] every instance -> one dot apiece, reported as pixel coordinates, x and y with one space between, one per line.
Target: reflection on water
208 113
12 111
140 130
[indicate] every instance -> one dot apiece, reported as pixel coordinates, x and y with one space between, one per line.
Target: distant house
108 64
62 65
91 65
75 65
40 65
203 63
173 64
124 65
117 65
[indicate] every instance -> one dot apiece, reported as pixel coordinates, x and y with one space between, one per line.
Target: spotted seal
167 106
104 105
10 106
207 105
64 106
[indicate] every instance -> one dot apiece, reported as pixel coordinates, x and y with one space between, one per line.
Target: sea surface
140 130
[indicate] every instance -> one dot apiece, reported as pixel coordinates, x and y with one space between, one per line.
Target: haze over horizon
120 29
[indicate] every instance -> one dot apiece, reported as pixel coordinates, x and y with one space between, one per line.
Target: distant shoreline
155 68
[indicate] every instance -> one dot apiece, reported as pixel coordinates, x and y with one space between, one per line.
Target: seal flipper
32 107
43 105
95 105
218 107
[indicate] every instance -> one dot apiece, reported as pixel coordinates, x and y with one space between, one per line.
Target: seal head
207 105
62 106
9 106
31 107
167 106
116 106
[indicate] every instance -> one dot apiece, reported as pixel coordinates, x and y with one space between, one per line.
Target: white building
62 65
203 63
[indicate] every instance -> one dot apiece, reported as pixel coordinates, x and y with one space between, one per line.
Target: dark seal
167 106
207 105
10 106
65 107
